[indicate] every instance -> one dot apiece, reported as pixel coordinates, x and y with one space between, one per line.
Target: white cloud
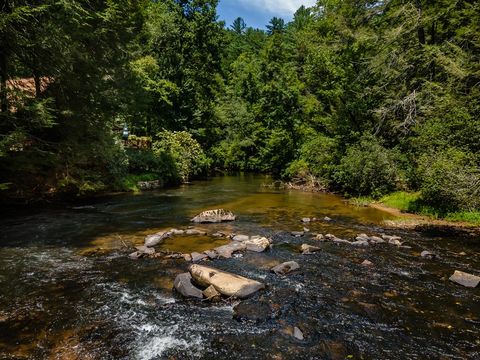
281 7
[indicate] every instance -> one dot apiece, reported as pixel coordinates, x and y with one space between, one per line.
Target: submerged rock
256 312
225 283
259 244
241 238
327 219
285 267
226 251
214 216
465 279
309 249
183 284
428 255
306 220
367 263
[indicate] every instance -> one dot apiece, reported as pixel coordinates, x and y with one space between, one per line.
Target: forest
368 99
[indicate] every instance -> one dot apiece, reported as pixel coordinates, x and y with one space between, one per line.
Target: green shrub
184 150
368 168
278 151
317 157
450 181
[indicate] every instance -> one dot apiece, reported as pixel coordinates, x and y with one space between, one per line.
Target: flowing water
69 291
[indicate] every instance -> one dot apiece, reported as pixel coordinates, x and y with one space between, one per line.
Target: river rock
391 237
155 239
330 237
225 283
306 220
195 232
214 216
226 251
297 233
285 267
465 279
297 333
341 241
177 232
257 244
212 294
367 263
327 219
183 284
145 250
212 254
198 256
360 243
241 238
428 255
319 237
395 242
376 240
187 257
136 255
309 249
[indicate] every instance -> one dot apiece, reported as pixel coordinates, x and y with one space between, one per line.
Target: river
70 291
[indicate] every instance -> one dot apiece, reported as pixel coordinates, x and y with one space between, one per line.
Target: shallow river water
69 291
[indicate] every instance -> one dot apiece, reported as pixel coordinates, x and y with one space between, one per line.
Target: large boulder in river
465 279
214 216
183 284
226 283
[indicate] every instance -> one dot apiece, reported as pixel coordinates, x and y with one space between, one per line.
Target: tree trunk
38 85
420 30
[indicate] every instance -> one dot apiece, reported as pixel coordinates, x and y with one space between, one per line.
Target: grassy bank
411 203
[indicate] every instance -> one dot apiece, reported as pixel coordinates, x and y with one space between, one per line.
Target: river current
68 289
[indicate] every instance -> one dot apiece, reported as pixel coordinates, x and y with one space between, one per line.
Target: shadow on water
56 302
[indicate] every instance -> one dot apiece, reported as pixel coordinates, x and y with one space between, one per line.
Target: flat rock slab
285 267
198 256
183 284
227 284
465 279
214 216
241 238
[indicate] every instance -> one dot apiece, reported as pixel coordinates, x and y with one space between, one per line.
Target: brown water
69 291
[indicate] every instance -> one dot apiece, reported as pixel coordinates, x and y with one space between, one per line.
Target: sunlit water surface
69 291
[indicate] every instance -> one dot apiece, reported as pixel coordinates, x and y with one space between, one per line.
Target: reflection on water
69 291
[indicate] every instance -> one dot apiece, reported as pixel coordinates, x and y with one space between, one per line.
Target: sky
257 13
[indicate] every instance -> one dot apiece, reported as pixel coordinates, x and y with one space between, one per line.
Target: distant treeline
365 97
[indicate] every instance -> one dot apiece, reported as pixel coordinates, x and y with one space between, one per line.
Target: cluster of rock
362 239
308 220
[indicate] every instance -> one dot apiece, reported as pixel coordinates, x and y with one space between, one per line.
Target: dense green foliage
366 97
